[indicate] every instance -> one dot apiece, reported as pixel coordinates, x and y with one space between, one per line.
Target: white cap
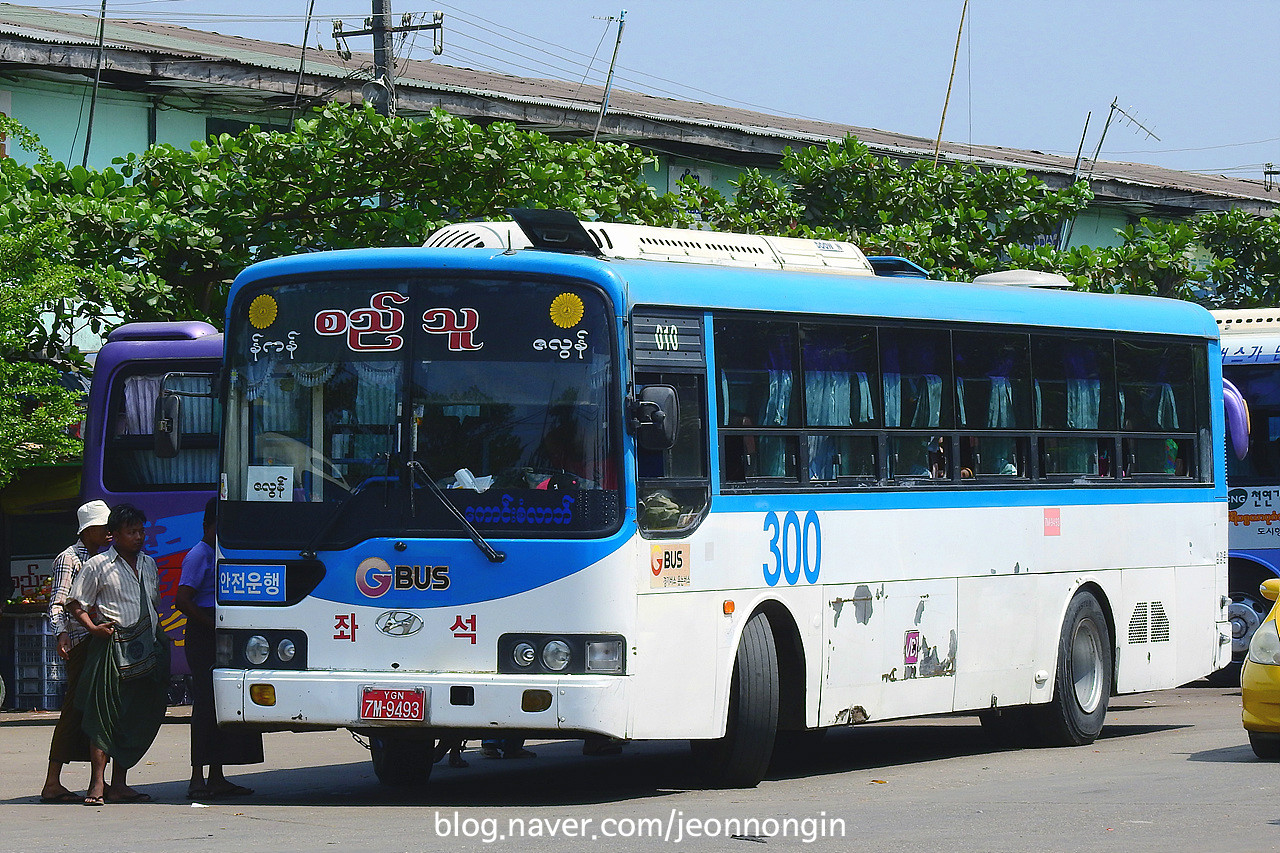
92 514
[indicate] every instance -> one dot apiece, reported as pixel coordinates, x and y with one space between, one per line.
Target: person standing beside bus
123 688
69 742
211 746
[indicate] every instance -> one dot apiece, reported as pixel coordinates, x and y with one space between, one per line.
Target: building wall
1097 227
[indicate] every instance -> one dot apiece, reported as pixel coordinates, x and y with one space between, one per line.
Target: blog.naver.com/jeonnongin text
674 828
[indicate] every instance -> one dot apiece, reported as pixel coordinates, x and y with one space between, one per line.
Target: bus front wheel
1082 686
401 761
741 757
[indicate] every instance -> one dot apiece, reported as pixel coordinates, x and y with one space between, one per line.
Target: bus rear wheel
1082 685
741 757
400 760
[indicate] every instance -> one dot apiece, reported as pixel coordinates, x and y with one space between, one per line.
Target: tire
741 758
400 761
1265 746
1082 684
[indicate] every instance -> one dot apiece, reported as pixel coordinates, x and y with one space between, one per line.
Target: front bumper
315 698
1260 697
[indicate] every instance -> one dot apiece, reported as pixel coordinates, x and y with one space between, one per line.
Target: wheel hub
1245 620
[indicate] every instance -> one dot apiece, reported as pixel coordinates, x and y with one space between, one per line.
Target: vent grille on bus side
1159 623
1138 624
1149 623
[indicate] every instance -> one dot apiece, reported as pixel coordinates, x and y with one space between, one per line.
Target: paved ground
1172 772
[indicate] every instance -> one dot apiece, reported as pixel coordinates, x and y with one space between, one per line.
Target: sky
1197 75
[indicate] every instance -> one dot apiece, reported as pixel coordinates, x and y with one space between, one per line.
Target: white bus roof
1247 321
684 245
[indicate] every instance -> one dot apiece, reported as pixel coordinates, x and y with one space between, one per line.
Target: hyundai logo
398 623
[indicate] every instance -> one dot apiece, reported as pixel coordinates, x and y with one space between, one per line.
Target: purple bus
120 463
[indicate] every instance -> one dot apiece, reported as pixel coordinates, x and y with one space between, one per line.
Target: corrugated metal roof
680 117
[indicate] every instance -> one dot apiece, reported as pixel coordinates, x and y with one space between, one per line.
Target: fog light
604 656
286 650
262 694
555 655
257 650
524 654
535 700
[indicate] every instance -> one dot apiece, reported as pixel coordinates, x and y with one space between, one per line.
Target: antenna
1116 108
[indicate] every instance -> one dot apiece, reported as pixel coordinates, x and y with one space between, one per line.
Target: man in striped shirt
69 741
121 716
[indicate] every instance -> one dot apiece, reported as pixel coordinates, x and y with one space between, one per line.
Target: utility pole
381 90
97 78
608 83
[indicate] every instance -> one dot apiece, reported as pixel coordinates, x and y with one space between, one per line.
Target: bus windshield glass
340 403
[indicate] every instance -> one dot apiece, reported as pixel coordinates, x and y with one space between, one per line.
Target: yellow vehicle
1260 682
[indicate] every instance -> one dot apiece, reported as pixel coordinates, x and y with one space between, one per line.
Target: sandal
222 793
64 797
197 793
94 801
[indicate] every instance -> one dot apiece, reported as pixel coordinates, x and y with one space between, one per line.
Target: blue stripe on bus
928 497
704 286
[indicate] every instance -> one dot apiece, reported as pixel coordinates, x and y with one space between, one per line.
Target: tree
36 412
175 226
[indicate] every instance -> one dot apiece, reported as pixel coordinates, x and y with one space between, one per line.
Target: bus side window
674 486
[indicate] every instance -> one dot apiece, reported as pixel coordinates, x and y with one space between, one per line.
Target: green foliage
176 226
35 411
957 221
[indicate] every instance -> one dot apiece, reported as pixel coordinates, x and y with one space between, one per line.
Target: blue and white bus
1251 379
650 484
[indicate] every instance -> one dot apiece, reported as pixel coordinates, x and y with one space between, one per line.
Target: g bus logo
796 548
1236 498
373 577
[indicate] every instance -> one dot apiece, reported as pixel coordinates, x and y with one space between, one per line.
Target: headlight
604 656
1264 648
524 654
555 655
257 650
286 650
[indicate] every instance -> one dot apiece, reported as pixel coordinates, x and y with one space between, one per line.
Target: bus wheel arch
740 757
1084 674
792 665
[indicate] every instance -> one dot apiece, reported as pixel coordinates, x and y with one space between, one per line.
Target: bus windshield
500 391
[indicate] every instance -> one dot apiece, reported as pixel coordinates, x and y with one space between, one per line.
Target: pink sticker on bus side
1052 521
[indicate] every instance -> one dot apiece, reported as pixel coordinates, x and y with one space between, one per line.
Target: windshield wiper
308 551
494 556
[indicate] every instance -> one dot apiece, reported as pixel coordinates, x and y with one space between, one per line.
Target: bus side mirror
654 415
168 433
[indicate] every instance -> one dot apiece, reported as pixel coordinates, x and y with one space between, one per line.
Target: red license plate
377 703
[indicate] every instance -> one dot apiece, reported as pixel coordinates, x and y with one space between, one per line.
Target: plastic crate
27 626
49 699
35 642
36 657
47 672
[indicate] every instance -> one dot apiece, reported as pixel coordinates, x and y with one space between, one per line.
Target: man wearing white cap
70 743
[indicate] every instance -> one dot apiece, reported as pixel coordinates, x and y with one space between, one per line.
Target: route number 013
796 548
